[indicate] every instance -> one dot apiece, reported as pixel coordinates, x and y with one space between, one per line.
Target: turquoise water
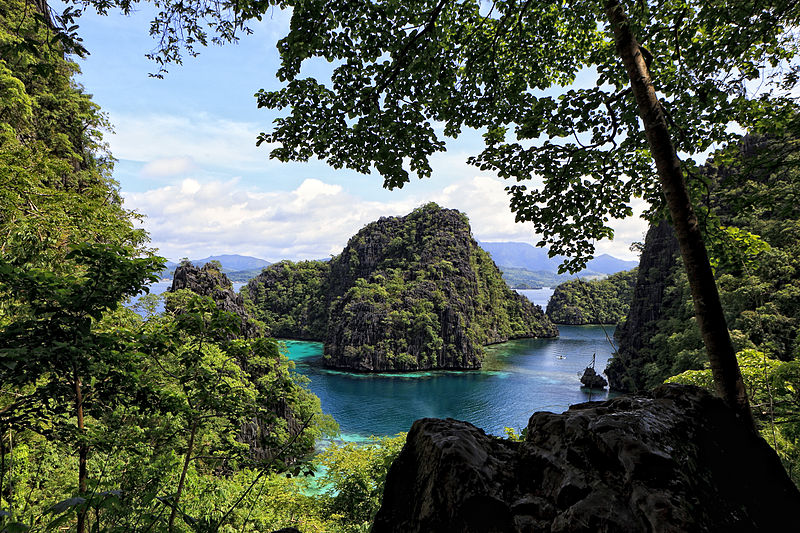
519 378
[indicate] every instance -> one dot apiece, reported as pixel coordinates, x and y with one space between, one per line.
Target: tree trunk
186 461
83 452
707 306
44 9
3 469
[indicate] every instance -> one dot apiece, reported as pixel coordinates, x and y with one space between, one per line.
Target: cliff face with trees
209 281
406 293
754 234
635 348
606 301
753 227
111 420
290 299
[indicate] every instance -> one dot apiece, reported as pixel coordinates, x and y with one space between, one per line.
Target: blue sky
187 157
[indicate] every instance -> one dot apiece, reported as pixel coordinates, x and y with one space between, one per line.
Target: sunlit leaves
398 68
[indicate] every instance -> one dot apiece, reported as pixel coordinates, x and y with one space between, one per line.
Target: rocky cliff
209 281
751 223
634 335
279 414
406 293
674 460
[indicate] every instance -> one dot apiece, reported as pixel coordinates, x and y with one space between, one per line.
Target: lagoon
519 377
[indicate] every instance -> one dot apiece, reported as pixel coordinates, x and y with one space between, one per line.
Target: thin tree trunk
708 308
82 453
3 468
186 461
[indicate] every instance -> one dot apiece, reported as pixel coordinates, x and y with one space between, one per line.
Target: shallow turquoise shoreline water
519 378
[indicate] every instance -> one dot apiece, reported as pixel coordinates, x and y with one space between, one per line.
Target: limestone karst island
430 266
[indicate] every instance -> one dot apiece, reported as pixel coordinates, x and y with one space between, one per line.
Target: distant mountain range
236 267
522 264
524 255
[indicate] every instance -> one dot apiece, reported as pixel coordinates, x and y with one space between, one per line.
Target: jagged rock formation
675 460
209 281
592 379
752 233
606 301
657 266
406 293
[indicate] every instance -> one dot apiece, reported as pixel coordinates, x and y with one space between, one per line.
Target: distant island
406 293
606 301
237 268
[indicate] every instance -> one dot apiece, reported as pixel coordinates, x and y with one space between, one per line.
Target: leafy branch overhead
541 80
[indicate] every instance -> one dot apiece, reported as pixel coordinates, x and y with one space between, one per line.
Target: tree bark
189 449
44 9
83 452
707 306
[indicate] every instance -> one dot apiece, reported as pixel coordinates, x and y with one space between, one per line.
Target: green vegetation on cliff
753 231
605 301
290 299
111 420
406 293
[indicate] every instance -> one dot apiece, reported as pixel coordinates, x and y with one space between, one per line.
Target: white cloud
486 202
315 220
170 166
193 219
168 142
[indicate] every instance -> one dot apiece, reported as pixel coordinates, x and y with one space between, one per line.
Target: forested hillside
291 299
580 302
112 420
188 420
406 293
754 235
753 227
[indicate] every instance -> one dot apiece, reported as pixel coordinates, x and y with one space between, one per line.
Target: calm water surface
538 296
519 378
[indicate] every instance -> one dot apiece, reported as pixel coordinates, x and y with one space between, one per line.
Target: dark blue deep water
518 378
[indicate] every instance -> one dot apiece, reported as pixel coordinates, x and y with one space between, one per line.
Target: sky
187 158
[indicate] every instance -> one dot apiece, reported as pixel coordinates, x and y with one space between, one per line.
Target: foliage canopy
541 80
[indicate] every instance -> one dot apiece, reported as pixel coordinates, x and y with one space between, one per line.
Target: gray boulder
674 460
592 379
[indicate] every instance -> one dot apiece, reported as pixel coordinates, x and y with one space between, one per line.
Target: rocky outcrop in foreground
675 460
